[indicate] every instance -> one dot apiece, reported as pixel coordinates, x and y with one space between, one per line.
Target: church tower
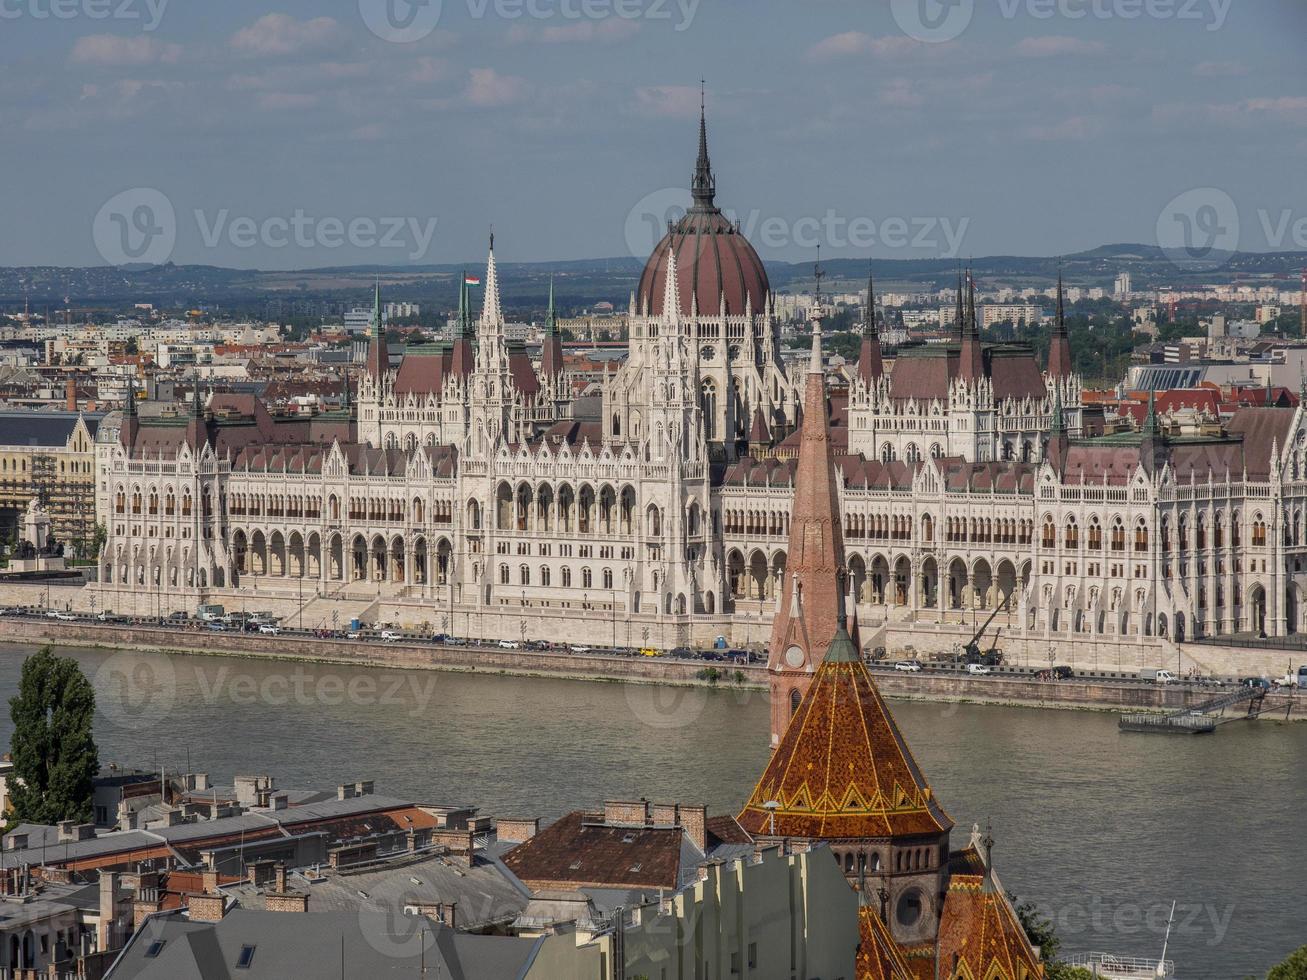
804 625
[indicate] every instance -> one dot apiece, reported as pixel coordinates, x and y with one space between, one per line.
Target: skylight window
155 948
246 958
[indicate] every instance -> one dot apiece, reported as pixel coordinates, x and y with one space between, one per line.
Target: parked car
579 649
1261 682
650 652
509 644
1157 676
353 634
682 653
269 629
66 617
217 626
391 636
909 666
978 669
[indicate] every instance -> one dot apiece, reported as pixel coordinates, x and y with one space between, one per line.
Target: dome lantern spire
704 185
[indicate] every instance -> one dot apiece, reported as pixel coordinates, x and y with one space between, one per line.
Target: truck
1157 676
210 613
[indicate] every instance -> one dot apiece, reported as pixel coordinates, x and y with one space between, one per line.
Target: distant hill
580 282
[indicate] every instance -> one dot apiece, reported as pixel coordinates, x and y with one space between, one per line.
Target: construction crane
971 652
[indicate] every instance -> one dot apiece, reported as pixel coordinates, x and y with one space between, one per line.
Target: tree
54 753
1294 968
1043 936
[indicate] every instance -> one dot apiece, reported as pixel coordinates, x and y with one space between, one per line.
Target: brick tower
804 624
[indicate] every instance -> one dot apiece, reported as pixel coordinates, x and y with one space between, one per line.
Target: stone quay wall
1089 693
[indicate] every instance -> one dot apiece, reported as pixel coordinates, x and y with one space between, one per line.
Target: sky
287 134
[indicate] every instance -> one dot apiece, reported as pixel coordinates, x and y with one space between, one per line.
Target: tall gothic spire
971 365
807 618
378 356
703 186
871 364
959 314
492 314
551 352
1059 348
1058 443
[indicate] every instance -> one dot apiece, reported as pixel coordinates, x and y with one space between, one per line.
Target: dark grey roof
42 428
290 946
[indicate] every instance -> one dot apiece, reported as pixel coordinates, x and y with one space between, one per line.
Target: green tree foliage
1043 936
54 753
1294 968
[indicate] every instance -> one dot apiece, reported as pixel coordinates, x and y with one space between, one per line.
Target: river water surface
1103 830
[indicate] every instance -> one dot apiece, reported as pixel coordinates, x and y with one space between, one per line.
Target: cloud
671 101
279 35
284 101
854 43
900 93
1220 69
1073 129
605 31
1056 45
112 51
487 87
428 69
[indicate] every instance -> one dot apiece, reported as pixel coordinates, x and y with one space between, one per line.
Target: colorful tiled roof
842 769
980 937
879 956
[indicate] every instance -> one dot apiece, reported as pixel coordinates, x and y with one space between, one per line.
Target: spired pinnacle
870 328
703 187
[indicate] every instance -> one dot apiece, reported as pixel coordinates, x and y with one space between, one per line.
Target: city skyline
872 142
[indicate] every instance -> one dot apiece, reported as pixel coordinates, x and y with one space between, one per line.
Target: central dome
713 259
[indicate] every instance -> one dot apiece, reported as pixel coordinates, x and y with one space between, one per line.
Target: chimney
209 880
70 395
517 830
363 788
279 879
66 832
279 801
694 821
108 936
448 913
626 812
207 908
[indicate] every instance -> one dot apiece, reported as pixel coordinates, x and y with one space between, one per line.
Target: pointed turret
971 365
378 356
871 364
805 623
842 769
197 432
1058 442
551 355
492 314
462 357
703 185
671 291
959 315
131 421
1059 348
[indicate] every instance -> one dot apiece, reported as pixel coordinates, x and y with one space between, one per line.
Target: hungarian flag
472 280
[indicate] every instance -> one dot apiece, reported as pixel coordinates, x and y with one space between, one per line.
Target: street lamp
771 806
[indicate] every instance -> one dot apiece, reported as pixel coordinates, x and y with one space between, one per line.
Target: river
1102 830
